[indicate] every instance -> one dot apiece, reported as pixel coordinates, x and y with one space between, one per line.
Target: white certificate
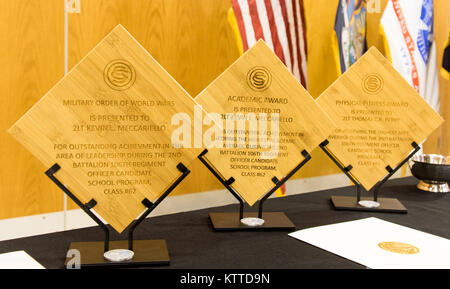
379 244
18 260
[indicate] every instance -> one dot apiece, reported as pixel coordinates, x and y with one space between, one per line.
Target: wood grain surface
378 115
255 87
32 61
191 39
108 124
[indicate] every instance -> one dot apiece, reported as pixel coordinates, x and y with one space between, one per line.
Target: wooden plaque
378 116
258 83
108 125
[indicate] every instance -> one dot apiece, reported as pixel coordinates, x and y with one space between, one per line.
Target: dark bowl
434 168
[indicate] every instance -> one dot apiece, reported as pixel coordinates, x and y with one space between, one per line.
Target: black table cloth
194 245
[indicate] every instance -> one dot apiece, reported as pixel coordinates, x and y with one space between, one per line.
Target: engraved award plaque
105 131
270 124
380 121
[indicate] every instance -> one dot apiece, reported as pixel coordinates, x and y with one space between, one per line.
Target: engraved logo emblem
119 74
399 248
259 78
373 83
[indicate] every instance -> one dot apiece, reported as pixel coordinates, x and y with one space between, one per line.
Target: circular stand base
252 222
434 187
369 204
119 255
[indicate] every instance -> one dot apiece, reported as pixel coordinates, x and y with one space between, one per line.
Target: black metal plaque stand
387 205
273 221
146 252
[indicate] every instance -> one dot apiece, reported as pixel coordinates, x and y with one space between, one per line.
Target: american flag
280 23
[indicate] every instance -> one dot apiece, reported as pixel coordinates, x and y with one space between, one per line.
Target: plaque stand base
385 205
232 221
146 252
273 221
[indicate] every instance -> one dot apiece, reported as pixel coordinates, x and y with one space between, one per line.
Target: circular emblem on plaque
119 74
372 83
259 78
399 248
369 204
119 255
252 222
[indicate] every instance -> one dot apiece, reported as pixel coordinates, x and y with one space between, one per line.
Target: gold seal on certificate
399 248
378 116
107 124
268 120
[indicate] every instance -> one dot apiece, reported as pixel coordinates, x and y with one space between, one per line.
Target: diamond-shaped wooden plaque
378 116
258 83
107 123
